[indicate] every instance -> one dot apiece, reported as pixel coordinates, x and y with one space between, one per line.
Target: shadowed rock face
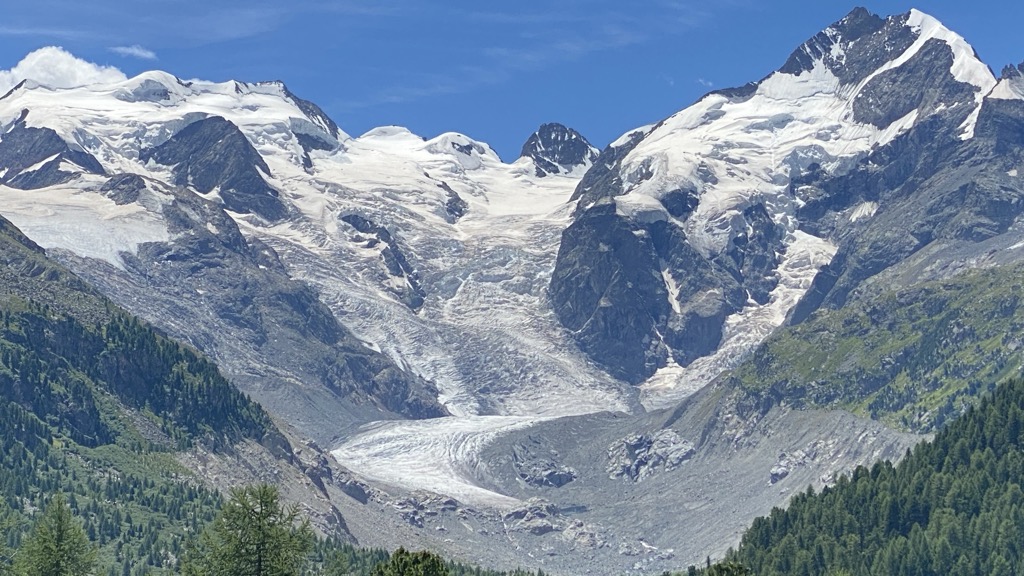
393 258
214 154
611 288
556 149
886 98
32 157
932 189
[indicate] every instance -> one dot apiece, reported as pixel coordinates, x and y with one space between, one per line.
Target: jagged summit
556 149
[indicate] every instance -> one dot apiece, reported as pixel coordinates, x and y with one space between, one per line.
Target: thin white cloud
705 83
235 23
56 67
65 33
134 51
466 79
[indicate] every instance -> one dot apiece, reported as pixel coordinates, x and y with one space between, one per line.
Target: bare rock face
34 158
538 465
214 154
556 149
232 298
536 517
640 456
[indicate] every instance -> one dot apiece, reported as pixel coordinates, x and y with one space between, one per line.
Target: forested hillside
952 506
94 404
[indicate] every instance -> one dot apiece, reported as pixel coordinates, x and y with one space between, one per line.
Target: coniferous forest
952 506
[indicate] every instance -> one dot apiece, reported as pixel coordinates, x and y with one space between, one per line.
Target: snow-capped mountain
448 323
687 248
433 253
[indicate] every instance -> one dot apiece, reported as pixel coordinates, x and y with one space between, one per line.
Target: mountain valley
583 360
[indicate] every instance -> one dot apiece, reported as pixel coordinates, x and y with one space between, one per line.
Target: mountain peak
861 44
1010 71
557 149
1011 84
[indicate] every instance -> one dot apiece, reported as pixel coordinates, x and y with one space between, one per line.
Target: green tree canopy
405 563
254 535
57 545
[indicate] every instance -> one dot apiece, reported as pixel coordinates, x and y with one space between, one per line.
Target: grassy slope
914 357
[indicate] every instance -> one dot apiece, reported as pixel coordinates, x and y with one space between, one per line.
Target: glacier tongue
428 454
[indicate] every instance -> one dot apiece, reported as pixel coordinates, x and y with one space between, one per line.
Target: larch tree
253 535
57 546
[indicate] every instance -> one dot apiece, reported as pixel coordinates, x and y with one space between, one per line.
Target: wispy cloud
562 39
513 18
463 79
134 51
705 83
62 33
235 23
684 12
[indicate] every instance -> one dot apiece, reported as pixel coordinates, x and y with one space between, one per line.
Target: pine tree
254 535
57 545
404 563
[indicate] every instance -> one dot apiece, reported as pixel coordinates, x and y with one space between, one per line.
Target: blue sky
494 71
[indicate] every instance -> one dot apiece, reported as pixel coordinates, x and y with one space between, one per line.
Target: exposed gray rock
232 298
639 456
212 153
124 188
395 262
929 187
556 149
537 464
603 181
455 207
32 158
612 279
536 517
314 113
636 293
886 99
